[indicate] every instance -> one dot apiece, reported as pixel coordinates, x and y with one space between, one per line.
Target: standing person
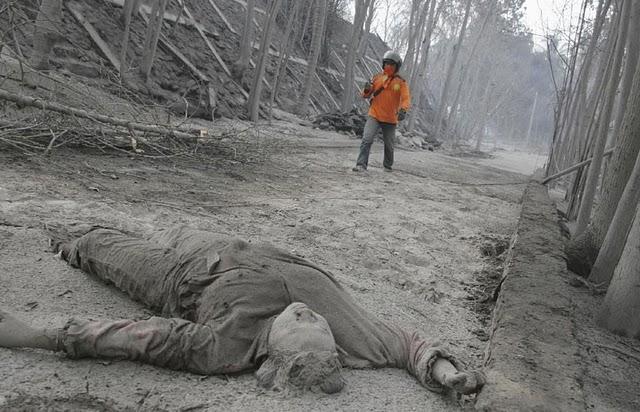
230 306
390 99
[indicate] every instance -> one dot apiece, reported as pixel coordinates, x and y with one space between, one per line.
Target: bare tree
583 248
241 65
156 20
450 70
256 88
361 7
417 78
286 44
319 15
633 50
610 87
129 10
45 34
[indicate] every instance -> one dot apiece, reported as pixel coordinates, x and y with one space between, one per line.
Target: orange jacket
393 97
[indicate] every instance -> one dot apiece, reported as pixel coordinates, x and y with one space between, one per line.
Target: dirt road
408 245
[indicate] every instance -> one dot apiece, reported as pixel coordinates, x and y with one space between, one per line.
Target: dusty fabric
394 95
228 291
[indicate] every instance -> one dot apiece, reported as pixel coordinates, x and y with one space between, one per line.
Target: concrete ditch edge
533 358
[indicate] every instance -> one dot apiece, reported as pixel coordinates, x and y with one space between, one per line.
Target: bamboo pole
574 167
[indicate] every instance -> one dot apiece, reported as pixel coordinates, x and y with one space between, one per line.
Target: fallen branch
59 108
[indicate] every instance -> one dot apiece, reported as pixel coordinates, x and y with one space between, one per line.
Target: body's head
391 62
302 353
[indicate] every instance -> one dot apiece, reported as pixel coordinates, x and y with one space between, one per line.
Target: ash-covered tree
129 10
156 19
362 7
583 250
241 65
45 34
319 15
263 57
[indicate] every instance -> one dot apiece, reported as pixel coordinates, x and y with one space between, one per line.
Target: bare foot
466 382
14 333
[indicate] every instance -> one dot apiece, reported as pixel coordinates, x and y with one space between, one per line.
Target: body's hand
402 114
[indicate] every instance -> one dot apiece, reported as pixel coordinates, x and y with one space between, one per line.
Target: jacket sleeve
167 342
405 96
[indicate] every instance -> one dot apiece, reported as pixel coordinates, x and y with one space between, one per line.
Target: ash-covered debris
421 140
352 122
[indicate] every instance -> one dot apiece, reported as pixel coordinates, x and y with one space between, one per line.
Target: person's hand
402 114
367 88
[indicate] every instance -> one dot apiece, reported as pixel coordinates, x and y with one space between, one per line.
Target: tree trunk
364 39
151 38
533 113
45 33
314 53
242 64
576 101
349 75
416 82
633 49
416 23
450 70
616 184
285 51
620 311
583 250
466 66
128 11
617 234
256 88
611 82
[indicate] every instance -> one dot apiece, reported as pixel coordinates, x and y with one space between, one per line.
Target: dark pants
388 135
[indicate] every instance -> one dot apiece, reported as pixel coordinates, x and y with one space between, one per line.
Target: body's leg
370 130
171 343
389 136
142 269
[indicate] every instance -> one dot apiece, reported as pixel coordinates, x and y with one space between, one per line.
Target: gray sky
542 16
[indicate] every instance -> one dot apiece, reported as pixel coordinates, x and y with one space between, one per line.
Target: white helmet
392 57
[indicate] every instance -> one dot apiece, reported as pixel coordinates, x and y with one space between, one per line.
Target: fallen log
574 167
328 93
223 17
128 124
215 53
164 41
169 17
102 45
